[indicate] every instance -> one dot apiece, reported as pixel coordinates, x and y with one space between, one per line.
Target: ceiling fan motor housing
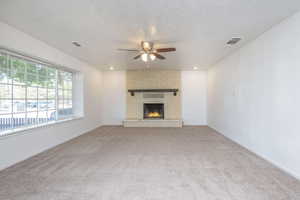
148 51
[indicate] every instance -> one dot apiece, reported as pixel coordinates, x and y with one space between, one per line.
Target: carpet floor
115 163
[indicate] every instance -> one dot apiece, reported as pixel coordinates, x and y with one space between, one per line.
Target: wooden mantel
132 91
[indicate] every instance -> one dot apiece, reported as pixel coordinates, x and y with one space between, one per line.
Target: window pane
18 65
19 92
68 76
5 91
51 104
68 84
42 81
32 105
68 80
60 104
51 72
5 106
67 94
68 104
61 113
42 70
51 93
4 70
31 68
19 120
32 80
5 122
60 94
19 78
68 111
18 71
5 76
18 106
3 60
51 114
32 92
51 82
31 118
60 79
42 93
42 117
42 105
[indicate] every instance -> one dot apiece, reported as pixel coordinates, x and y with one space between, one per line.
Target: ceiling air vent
76 44
233 41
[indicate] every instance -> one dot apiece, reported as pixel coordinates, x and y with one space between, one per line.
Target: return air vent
233 41
76 44
153 96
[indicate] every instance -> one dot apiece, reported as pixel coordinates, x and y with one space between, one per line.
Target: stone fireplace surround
153 79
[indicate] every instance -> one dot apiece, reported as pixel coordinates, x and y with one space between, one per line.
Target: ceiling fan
148 52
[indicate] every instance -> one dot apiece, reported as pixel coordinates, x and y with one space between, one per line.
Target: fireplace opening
153 111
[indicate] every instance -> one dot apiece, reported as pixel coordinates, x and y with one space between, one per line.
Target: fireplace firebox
153 111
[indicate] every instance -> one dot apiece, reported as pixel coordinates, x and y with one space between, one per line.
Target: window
32 93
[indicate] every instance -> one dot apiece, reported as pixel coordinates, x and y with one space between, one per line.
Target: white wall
193 97
114 97
21 146
254 98
194 91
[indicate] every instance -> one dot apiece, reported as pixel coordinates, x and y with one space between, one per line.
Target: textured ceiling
199 29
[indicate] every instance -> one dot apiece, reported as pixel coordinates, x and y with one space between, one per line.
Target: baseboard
194 125
112 125
284 169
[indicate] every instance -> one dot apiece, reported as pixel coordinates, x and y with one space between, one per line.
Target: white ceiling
199 29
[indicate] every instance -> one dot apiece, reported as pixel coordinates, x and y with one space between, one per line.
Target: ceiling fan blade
137 57
159 56
135 50
165 49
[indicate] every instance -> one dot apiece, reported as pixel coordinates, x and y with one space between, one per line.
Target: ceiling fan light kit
152 56
145 57
148 52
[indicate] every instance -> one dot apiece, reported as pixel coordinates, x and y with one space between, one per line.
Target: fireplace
153 111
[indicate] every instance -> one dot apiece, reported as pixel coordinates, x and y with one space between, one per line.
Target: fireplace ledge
174 91
152 123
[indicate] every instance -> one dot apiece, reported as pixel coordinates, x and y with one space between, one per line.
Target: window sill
22 131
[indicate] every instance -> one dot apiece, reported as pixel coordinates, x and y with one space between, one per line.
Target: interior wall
114 97
253 96
194 92
22 145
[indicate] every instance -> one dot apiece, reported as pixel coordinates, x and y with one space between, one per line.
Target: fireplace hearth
153 111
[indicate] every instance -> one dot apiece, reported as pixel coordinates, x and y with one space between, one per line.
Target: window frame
12 54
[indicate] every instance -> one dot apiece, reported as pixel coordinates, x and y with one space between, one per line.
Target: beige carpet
114 163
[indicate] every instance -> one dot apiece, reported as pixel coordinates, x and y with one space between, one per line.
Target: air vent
233 41
153 96
76 44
